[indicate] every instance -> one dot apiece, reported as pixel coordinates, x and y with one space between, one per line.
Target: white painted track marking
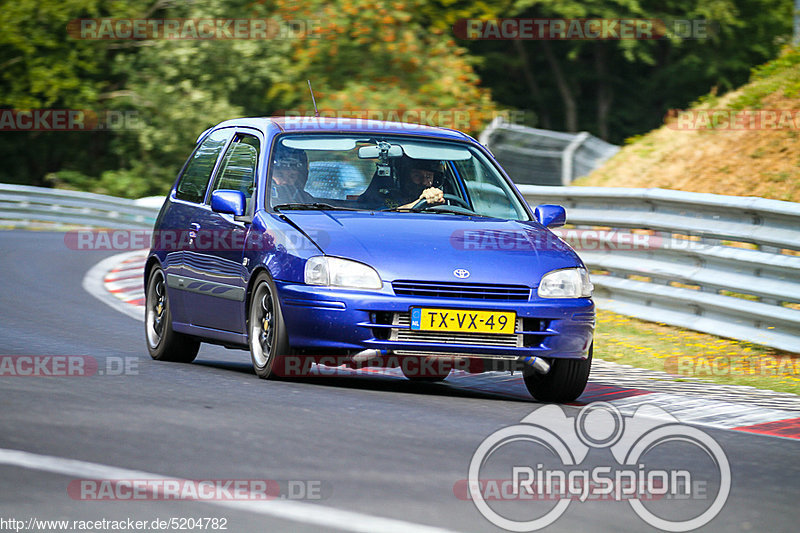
94 285
305 513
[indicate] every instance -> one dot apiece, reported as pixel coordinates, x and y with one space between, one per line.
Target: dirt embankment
745 143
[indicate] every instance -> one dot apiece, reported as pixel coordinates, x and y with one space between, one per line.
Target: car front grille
474 291
402 333
454 355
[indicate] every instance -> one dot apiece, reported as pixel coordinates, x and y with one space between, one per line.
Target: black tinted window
193 182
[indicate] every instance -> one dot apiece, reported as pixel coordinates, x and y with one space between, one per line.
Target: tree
620 88
359 56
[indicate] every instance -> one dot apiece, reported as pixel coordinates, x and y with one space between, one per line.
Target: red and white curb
699 403
126 280
118 282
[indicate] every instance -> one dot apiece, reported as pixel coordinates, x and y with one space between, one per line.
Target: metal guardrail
544 157
724 265
22 206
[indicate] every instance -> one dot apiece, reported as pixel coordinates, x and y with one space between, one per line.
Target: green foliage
383 58
707 100
635 138
643 79
363 56
122 182
781 74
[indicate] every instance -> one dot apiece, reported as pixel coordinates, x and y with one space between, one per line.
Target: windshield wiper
454 211
439 209
315 205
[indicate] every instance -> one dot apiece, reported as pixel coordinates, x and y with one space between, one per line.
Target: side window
193 182
238 169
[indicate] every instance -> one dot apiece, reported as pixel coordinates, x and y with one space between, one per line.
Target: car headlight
337 272
566 283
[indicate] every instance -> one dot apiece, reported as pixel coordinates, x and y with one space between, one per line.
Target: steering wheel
450 198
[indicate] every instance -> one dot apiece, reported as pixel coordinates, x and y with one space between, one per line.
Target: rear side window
193 182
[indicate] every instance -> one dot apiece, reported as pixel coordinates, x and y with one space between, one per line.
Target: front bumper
322 320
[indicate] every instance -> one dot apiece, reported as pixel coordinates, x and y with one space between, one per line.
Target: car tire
164 343
564 383
266 330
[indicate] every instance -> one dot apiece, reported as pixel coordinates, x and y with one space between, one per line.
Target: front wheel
269 342
564 383
163 343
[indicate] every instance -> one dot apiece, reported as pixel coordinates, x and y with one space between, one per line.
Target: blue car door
174 235
215 262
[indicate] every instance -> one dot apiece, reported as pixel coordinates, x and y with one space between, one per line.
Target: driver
289 176
417 183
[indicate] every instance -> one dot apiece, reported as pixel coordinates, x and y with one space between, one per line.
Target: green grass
629 341
781 74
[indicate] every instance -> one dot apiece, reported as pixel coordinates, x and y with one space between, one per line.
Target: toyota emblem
461 273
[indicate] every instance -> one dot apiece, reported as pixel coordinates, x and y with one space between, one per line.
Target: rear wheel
564 383
163 343
269 342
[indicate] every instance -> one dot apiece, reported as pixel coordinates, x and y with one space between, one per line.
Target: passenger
289 176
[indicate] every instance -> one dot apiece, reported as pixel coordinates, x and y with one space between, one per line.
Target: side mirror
228 202
550 216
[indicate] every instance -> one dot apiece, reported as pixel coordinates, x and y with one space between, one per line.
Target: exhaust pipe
538 364
365 355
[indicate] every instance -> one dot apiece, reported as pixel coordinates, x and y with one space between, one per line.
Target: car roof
354 125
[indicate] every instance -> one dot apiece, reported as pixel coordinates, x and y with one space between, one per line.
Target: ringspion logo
524 477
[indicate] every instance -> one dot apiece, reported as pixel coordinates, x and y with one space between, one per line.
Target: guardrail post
568 154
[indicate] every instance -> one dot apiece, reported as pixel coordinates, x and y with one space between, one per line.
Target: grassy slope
749 162
680 352
755 162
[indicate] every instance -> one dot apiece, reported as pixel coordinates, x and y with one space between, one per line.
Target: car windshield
388 173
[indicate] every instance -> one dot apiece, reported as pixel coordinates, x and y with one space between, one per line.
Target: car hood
427 246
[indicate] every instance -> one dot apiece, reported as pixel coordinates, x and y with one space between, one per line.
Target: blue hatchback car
426 257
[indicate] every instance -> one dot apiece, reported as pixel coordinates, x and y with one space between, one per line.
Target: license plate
462 320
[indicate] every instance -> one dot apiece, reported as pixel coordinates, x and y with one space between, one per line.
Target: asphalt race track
380 453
